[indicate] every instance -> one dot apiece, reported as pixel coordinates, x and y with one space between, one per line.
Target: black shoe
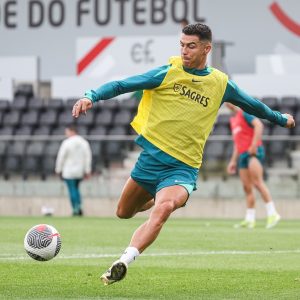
115 273
78 213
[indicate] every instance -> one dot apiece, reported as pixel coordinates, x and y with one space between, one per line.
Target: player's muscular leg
133 199
167 200
248 187
256 173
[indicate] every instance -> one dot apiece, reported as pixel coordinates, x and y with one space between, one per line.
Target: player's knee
247 189
123 213
257 183
164 210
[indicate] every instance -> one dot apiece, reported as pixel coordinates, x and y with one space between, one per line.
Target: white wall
250 25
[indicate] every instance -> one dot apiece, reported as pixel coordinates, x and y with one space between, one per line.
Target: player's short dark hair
199 29
72 127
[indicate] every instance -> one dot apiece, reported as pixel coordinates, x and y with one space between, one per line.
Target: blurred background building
52 51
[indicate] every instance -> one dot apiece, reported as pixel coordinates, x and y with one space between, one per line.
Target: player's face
193 51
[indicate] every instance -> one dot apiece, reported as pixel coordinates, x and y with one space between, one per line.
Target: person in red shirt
248 157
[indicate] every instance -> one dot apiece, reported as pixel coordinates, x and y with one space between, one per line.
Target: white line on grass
197 253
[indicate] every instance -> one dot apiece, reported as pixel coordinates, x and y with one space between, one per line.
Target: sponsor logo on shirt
191 94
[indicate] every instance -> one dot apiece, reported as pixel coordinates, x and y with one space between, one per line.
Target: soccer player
175 116
248 156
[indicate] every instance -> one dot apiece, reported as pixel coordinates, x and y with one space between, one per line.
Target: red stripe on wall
93 53
284 19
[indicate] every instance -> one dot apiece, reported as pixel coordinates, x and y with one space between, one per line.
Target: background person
248 157
73 163
175 117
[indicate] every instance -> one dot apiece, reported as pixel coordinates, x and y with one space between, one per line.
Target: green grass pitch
191 259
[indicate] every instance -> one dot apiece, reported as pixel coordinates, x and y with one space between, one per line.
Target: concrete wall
213 199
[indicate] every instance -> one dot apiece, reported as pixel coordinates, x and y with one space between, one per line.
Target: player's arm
232 165
236 96
146 81
258 128
60 158
87 158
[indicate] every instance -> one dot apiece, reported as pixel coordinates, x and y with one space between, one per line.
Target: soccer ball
42 242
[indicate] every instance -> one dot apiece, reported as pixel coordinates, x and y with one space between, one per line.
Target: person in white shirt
73 163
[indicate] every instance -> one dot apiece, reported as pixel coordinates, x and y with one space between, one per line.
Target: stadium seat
214 159
4 104
19 103
14 158
17 148
130 104
82 130
104 118
42 130
35 148
12 165
65 118
30 117
122 117
131 131
7 130
221 129
33 158
70 103
110 105
12 118
48 166
51 148
271 101
23 130
115 150
223 119
87 119
214 150
278 130
3 147
277 150
59 130
35 103
268 126
228 150
55 103
31 166
24 90
290 101
49 158
48 118
98 130
97 156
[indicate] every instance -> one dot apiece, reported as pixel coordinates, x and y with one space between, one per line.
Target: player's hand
87 176
231 168
81 107
290 121
252 150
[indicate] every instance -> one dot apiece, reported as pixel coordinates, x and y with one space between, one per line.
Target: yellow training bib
177 116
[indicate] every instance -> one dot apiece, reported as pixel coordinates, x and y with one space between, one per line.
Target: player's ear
207 48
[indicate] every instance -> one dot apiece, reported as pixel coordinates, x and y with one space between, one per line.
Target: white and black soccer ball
42 242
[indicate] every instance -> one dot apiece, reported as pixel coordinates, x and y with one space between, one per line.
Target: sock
270 207
250 214
129 255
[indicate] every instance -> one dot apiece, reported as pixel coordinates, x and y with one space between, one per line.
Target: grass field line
187 253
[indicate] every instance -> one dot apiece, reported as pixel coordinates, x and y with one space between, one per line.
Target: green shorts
153 175
244 158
